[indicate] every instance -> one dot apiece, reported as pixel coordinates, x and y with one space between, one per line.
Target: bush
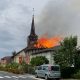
67 72
39 60
77 75
13 67
25 68
31 69
18 68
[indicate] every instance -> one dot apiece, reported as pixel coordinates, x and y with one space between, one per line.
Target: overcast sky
15 23
55 17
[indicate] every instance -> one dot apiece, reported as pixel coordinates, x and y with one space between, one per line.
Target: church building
31 51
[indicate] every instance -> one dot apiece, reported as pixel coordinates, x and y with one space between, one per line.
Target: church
31 51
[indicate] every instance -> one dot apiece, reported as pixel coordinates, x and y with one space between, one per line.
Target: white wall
48 55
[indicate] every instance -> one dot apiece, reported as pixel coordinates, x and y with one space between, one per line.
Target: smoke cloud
60 17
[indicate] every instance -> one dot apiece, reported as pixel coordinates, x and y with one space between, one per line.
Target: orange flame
45 42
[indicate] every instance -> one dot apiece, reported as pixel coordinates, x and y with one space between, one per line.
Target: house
5 60
31 51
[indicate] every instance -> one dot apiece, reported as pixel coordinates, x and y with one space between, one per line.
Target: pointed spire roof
32 27
32 38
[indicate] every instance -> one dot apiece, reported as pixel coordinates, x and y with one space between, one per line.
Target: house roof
46 50
6 58
34 48
26 50
39 50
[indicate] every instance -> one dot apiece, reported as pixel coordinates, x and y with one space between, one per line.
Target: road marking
1 77
15 77
21 76
7 76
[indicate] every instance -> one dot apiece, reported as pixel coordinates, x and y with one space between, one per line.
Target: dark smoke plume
60 17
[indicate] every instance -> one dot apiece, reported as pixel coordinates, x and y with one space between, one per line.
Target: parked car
48 72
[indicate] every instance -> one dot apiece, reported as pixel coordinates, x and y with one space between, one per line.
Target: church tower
32 38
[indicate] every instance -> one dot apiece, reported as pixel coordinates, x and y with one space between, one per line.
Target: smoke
59 17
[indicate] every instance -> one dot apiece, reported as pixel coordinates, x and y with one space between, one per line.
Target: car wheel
46 77
36 75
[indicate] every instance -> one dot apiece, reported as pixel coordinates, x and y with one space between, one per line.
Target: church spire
32 38
32 25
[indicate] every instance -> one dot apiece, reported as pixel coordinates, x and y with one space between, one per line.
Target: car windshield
55 68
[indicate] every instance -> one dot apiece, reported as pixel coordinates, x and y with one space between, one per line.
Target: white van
48 72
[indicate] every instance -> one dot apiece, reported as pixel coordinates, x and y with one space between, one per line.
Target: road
10 76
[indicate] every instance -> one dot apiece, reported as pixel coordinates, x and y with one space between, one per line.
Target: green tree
65 56
39 60
77 59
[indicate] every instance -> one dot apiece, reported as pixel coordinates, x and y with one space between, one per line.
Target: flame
45 42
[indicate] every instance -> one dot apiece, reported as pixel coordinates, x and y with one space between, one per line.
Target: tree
77 59
65 56
39 60
14 53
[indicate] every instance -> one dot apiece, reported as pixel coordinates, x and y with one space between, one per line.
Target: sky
54 17
15 23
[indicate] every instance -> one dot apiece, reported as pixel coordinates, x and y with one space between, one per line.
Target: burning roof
45 42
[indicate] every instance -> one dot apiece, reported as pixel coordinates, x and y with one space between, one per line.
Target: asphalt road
10 76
